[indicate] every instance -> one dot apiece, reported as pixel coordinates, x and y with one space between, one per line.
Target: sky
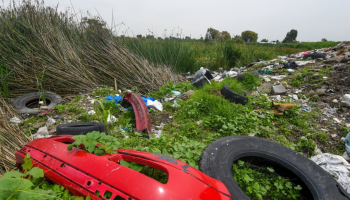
271 19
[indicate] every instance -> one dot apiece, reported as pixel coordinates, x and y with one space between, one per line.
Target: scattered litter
46 112
325 78
267 79
337 166
126 128
252 134
176 92
281 107
175 105
169 98
111 119
278 78
290 70
50 121
42 133
347 142
199 122
329 111
231 73
336 120
201 77
306 109
160 127
335 101
91 112
16 120
295 97
279 89
44 107
155 105
170 117
345 100
157 133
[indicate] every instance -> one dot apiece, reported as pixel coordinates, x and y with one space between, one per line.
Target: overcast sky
271 19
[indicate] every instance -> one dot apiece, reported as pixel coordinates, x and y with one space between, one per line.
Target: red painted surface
143 120
83 173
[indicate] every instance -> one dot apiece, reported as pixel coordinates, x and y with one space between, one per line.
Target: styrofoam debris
91 112
175 105
15 120
155 104
111 119
50 121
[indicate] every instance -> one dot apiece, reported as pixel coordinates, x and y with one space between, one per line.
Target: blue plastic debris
117 99
176 92
347 142
126 128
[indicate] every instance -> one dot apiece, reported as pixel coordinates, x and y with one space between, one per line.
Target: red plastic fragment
85 174
46 112
143 120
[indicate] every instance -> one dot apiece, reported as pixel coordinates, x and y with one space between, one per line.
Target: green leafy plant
260 185
146 170
103 90
88 142
30 185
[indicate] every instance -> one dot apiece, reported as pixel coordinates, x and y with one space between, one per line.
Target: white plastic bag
337 166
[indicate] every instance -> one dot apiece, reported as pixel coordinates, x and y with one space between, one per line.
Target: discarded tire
232 96
315 56
27 102
80 128
240 77
217 159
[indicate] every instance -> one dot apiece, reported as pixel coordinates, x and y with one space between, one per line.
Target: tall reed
77 56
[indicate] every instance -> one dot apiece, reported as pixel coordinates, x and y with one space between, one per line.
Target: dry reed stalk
11 138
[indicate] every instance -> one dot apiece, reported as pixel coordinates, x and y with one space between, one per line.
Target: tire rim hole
34 103
256 163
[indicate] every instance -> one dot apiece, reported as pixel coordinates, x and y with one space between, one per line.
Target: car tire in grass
233 96
314 56
80 128
218 158
25 103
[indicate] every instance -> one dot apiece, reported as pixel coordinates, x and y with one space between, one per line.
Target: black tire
20 103
217 159
80 128
240 77
232 96
315 56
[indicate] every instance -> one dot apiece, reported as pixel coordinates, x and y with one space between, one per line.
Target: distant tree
159 38
139 36
238 41
149 36
224 35
212 34
324 40
249 36
201 38
264 40
277 41
291 36
122 36
236 36
187 38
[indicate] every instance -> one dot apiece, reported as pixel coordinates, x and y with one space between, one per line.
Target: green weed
260 185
